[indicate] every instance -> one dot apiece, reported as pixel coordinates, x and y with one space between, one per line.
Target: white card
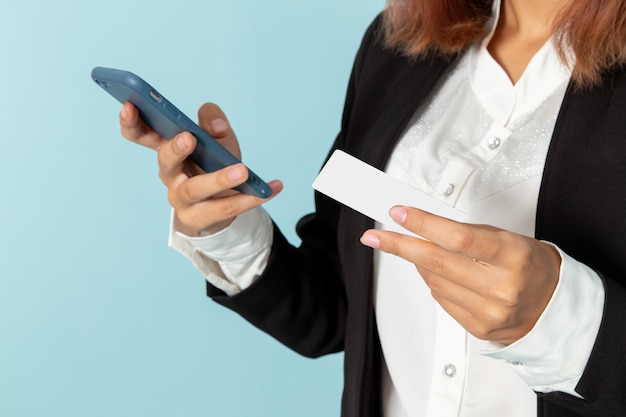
373 193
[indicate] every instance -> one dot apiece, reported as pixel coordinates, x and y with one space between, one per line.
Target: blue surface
97 316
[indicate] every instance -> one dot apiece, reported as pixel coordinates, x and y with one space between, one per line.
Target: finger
208 212
172 156
477 242
468 290
469 321
134 129
428 256
205 186
212 119
459 302
474 298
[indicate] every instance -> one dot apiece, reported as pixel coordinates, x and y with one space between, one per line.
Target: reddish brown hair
595 31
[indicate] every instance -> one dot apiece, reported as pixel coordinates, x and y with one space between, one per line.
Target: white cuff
233 258
554 354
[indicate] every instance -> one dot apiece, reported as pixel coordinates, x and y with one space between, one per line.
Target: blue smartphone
165 119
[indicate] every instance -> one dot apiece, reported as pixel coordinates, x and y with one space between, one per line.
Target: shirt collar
505 101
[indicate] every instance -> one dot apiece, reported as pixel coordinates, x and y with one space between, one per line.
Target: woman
511 112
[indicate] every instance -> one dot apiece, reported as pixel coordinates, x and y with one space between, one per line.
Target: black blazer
317 299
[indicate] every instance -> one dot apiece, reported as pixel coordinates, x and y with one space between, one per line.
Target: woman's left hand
493 282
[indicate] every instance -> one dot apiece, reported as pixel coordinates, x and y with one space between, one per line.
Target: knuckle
507 293
223 180
521 251
418 223
525 253
497 317
189 218
227 208
126 133
162 177
390 245
462 240
172 198
129 129
187 192
434 263
162 158
434 282
482 331
389 242
184 217
164 172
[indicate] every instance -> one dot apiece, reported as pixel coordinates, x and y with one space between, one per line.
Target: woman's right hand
202 202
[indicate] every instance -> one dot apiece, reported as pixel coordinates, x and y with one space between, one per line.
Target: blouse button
493 143
449 371
448 190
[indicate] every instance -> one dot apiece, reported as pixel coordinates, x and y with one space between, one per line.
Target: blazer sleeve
603 384
581 208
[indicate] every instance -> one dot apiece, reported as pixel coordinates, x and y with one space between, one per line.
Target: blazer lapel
583 180
384 113
377 120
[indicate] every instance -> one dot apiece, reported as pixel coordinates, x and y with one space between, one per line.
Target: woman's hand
495 283
201 201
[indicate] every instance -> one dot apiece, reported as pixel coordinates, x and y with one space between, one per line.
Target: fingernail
237 173
124 114
371 240
276 186
399 214
181 143
219 125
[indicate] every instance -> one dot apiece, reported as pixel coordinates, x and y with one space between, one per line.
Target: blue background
97 316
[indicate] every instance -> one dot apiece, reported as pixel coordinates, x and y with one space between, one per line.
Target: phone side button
171 109
184 122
